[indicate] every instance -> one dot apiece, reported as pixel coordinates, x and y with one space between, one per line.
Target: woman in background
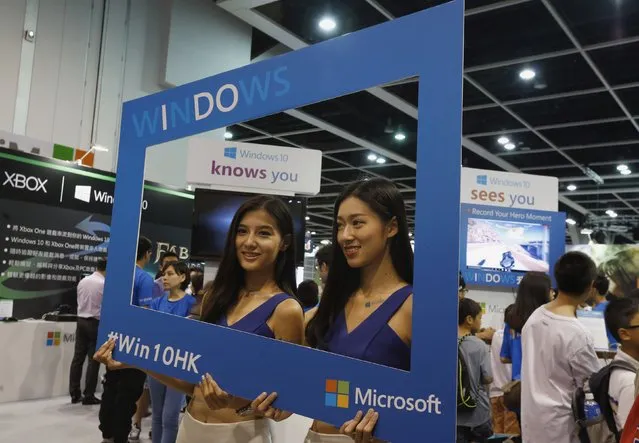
167 402
535 290
365 311
253 291
504 421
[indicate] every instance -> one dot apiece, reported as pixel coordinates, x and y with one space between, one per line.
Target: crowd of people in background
521 380
543 370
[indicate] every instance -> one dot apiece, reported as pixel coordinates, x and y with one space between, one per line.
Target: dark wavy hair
383 197
533 292
229 279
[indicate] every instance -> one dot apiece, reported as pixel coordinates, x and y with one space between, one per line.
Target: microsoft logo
53 338
482 180
83 193
230 153
337 393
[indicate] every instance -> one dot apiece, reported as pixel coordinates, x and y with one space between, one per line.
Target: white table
30 367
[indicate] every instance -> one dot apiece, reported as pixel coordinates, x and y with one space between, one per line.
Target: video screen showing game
507 246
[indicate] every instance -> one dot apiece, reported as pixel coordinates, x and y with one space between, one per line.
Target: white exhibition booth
37 360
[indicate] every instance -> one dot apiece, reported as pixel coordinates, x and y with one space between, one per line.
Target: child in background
622 320
474 425
504 421
558 354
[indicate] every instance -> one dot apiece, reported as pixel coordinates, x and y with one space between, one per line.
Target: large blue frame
427 44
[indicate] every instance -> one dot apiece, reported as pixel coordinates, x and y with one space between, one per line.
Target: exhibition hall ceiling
551 87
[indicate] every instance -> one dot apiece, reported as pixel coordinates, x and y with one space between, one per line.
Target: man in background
122 388
323 259
90 290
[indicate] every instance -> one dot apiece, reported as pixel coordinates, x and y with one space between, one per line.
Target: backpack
603 428
466 401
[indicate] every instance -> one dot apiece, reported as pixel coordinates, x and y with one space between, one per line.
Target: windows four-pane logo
337 392
482 180
53 338
230 153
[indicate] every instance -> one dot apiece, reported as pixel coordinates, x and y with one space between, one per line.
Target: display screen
507 246
55 224
214 211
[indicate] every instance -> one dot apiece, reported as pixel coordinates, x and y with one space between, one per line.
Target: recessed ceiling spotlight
611 213
228 135
372 157
307 218
586 231
325 242
622 167
509 146
313 233
503 140
626 172
571 222
327 24
571 187
527 74
381 160
400 136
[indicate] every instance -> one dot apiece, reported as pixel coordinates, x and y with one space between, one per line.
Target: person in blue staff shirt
167 402
365 311
123 388
600 287
254 292
167 257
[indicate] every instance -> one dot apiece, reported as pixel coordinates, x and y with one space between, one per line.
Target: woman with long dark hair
365 311
253 292
534 291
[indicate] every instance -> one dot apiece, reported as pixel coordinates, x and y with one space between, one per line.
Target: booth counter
36 359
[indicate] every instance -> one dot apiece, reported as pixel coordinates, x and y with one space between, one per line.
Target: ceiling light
400 136
622 167
381 160
611 213
503 140
527 74
571 187
586 231
325 242
307 218
509 146
327 24
313 233
571 222
626 172
228 135
372 157
410 234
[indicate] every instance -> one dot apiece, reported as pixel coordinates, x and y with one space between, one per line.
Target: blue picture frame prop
555 221
413 405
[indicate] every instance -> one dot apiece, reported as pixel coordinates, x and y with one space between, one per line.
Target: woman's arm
288 322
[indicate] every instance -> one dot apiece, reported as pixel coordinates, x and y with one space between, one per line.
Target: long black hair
229 279
533 292
386 201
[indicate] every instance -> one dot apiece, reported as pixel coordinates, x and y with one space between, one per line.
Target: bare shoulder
406 310
289 310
